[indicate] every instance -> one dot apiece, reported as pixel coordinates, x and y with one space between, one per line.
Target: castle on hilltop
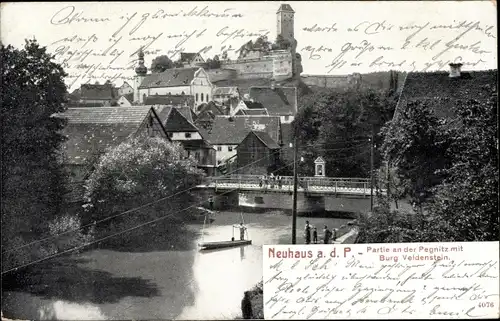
261 59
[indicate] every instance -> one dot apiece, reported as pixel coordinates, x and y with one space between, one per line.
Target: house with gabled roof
103 94
126 100
191 59
201 88
179 126
126 89
252 112
227 132
246 104
279 101
257 154
206 114
175 81
91 131
226 96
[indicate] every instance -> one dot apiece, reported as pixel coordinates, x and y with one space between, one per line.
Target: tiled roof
97 92
209 111
253 112
253 104
285 7
176 100
129 97
176 119
280 101
188 56
232 130
266 139
169 78
442 92
92 130
226 91
106 115
244 85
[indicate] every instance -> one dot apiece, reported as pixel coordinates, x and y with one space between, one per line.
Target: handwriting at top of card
382 281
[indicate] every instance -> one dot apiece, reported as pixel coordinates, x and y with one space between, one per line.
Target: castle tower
140 74
284 20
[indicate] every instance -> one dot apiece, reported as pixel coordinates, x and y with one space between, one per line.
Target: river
159 281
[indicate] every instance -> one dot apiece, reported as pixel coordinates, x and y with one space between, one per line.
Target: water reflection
160 283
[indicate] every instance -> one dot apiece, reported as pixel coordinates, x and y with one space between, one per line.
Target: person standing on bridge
308 233
278 178
327 235
315 235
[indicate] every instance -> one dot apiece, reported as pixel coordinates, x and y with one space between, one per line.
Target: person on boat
315 235
242 230
327 235
308 233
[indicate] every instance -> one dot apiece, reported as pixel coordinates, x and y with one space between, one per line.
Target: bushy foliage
33 181
338 125
138 172
162 63
450 167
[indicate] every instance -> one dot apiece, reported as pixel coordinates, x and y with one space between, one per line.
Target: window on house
219 148
202 97
208 97
229 148
196 96
287 117
170 135
187 135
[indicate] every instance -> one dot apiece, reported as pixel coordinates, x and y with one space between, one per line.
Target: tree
337 126
281 43
409 141
33 180
465 206
138 172
162 63
33 90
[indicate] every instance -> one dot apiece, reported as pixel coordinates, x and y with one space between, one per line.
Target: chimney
455 70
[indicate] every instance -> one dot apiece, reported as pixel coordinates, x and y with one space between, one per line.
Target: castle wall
377 80
221 74
250 66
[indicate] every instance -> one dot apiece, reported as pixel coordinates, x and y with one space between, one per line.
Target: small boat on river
232 243
223 244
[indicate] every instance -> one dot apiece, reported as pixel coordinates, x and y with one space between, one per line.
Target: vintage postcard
249 160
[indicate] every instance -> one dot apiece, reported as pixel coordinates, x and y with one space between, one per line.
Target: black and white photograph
151 149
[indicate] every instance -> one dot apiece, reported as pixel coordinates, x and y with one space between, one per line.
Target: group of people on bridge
271 181
328 235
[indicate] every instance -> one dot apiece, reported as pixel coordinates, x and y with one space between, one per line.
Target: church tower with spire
140 73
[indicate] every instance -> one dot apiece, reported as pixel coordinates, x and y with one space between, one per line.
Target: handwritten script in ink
382 281
412 46
92 45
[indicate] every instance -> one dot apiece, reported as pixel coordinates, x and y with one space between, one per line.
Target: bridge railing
306 183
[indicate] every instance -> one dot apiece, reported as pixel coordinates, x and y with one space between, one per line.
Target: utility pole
371 170
295 183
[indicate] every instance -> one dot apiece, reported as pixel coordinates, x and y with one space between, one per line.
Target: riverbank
257 293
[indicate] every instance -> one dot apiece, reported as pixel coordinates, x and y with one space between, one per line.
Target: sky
96 41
